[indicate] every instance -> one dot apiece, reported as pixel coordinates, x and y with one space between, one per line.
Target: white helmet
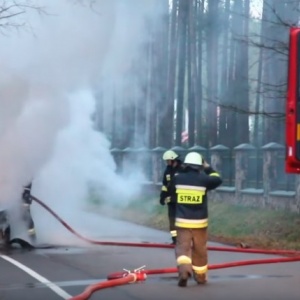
170 155
193 158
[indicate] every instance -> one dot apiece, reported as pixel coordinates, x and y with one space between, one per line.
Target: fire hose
127 276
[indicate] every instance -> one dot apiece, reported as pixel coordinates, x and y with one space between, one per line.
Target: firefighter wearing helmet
189 192
174 165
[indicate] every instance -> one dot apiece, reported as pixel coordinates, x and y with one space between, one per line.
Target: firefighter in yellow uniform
173 166
188 190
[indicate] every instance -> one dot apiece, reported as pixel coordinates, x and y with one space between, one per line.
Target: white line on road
38 277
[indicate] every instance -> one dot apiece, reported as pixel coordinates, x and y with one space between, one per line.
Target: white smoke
48 79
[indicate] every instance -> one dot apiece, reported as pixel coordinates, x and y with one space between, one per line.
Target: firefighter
26 199
174 165
189 191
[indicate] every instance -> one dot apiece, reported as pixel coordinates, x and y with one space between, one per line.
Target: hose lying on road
213 267
158 245
120 278
128 278
94 242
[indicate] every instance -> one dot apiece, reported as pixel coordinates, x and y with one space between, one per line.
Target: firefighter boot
183 278
200 278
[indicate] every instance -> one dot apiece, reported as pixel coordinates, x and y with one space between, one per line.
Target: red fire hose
94 242
120 278
213 267
158 245
127 278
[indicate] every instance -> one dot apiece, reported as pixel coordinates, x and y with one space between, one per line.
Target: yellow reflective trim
190 187
164 188
200 270
189 196
191 225
198 221
214 174
187 191
168 177
173 233
183 259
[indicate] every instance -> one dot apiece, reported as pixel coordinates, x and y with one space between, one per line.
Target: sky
256 8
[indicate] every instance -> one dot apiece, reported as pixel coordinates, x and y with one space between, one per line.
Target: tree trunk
199 83
182 31
169 115
166 111
212 72
223 119
242 69
192 74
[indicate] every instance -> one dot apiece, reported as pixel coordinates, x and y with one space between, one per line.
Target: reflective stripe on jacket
167 177
189 192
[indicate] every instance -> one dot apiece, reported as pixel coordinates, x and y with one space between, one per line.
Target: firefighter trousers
191 253
171 216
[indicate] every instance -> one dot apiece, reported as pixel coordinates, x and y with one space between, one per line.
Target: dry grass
229 224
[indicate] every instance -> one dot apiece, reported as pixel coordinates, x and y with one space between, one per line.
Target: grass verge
229 224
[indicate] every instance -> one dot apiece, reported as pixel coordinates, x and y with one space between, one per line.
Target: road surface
65 270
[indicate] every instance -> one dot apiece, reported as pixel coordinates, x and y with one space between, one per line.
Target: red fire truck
292 162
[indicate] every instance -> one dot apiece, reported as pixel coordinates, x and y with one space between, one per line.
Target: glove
205 164
167 200
162 201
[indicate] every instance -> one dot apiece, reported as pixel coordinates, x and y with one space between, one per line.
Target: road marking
60 292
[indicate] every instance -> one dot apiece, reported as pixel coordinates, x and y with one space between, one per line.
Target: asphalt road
65 270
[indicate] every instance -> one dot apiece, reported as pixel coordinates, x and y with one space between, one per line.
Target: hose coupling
138 274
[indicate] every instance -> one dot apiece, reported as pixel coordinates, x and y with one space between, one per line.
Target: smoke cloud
49 77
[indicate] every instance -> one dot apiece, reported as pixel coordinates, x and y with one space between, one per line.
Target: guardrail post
242 153
158 164
221 161
273 165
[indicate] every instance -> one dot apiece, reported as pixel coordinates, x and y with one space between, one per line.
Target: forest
209 73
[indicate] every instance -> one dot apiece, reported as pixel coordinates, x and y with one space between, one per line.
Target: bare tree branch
11 10
236 109
86 3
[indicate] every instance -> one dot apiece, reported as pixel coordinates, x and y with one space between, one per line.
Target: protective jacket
189 191
167 177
